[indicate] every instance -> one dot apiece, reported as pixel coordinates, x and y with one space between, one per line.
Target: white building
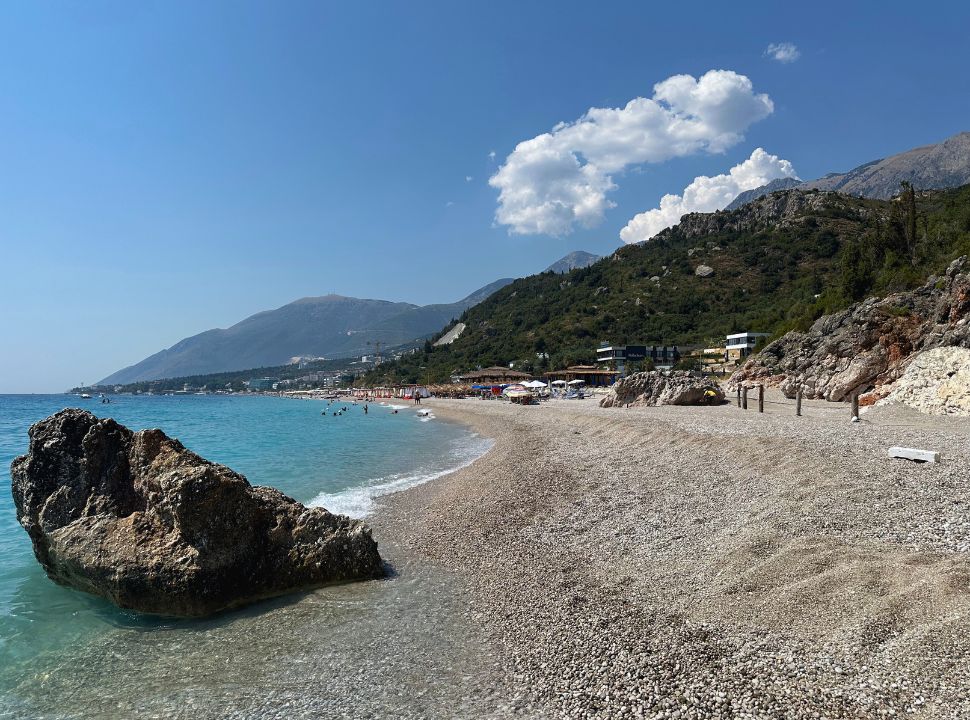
740 345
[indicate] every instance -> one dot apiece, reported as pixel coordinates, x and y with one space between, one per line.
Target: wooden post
855 405
739 396
744 397
798 403
761 398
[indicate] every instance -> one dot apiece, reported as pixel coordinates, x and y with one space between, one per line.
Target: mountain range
943 165
773 265
327 326
814 223
575 259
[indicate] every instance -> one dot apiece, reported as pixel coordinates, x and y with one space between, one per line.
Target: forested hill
778 263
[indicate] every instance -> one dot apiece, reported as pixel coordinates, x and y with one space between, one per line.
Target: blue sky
170 167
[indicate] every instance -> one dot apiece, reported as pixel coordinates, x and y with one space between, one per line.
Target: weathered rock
136 518
703 271
868 345
779 210
936 382
677 387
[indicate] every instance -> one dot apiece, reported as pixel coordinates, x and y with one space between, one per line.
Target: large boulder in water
677 387
136 518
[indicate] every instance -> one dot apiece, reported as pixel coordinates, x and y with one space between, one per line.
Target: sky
169 167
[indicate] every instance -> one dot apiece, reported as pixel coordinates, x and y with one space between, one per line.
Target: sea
395 647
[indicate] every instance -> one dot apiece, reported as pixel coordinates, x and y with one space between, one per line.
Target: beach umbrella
576 382
535 384
558 382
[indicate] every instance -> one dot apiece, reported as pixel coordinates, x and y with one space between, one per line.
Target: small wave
358 502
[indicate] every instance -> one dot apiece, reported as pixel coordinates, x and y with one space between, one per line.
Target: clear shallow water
65 654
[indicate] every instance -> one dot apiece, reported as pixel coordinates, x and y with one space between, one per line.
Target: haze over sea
54 642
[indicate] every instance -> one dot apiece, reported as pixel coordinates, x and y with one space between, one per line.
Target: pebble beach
686 562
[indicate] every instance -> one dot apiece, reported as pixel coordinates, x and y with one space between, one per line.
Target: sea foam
360 501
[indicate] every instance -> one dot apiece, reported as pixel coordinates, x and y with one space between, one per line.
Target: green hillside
779 262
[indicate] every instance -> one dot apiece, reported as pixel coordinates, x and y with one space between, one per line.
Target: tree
909 202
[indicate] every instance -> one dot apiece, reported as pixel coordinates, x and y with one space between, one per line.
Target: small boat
85 396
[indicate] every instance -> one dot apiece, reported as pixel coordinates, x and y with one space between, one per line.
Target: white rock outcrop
936 382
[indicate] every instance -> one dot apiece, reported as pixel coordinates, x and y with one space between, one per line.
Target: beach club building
740 345
619 355
493 376
265 383
589 374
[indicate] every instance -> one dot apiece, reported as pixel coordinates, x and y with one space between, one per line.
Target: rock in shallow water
136 518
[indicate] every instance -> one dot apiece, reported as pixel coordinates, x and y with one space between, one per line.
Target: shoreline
641 562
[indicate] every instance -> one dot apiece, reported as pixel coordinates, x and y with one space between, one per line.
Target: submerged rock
677 387
136 518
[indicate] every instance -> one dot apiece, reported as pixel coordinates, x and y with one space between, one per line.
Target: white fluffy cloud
785 52
707 194
561 178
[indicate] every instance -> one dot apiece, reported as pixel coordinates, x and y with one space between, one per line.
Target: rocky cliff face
936 382
867 346
136 518
774 186
657 388
776 210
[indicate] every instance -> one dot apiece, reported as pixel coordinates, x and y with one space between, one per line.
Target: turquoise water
343 463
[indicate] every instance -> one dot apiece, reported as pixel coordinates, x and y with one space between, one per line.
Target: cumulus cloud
707 194
468 178
560 179
491 154
785 52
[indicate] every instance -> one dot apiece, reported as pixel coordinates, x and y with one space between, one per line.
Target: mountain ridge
937 166
314 326
776 264
573 260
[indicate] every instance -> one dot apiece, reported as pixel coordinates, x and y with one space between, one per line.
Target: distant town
321 374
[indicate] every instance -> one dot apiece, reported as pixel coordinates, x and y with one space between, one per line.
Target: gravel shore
680 562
